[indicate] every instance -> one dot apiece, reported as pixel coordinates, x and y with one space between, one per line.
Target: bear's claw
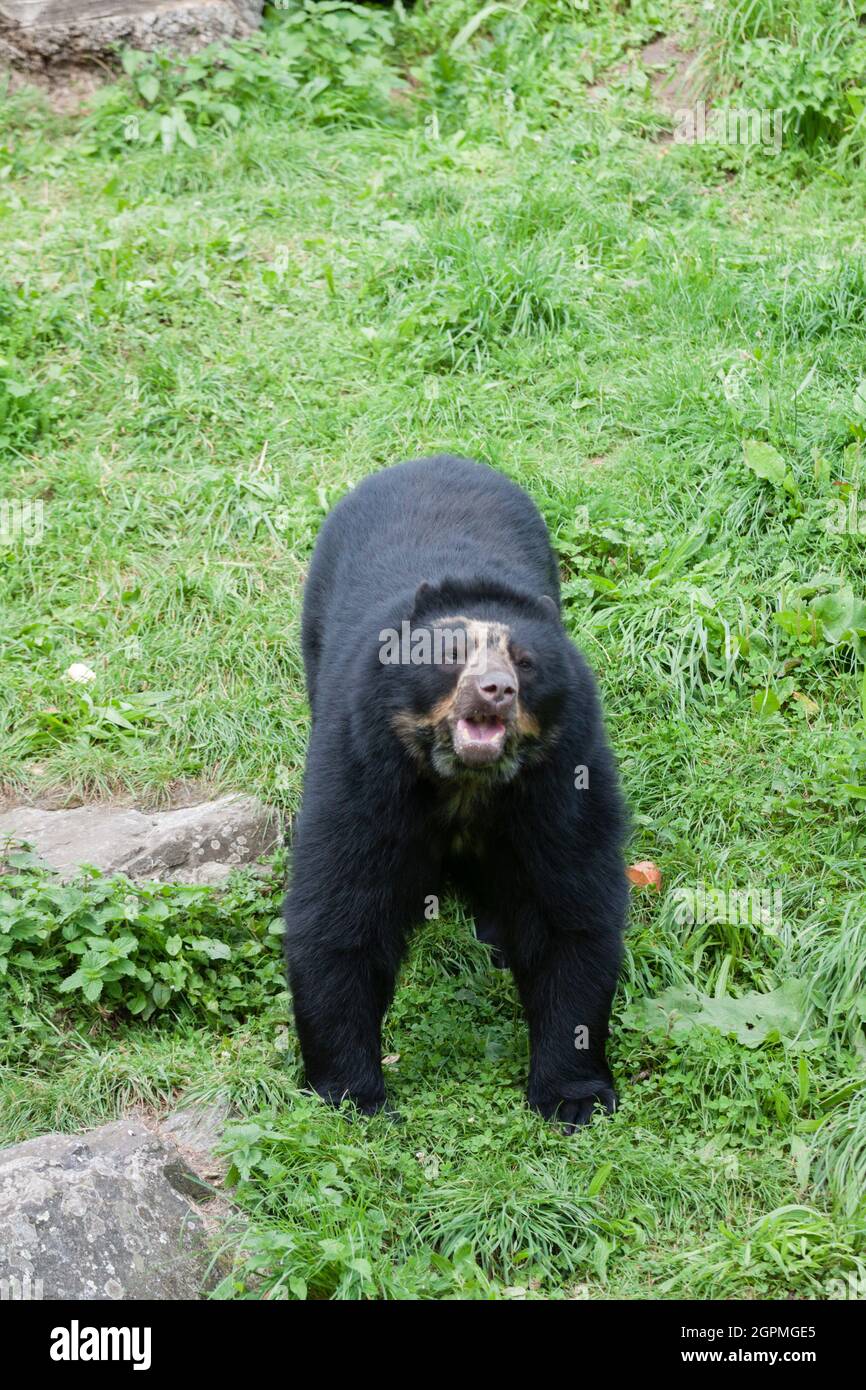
573 1113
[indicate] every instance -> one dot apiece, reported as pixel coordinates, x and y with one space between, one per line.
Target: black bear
457 738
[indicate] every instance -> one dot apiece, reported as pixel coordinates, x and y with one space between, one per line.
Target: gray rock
104 1215
192 844
38 33
196 1130
211 874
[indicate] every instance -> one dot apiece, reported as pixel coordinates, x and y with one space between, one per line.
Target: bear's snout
495 691
482 716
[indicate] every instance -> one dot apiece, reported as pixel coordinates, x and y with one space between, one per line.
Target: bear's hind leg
490 932
565 953
567 989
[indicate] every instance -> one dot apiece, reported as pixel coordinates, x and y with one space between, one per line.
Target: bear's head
484 675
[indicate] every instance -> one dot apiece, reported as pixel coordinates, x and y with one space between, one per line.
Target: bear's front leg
340 997
566 978
347 925
357 887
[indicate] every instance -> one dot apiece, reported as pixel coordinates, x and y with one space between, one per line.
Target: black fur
538 861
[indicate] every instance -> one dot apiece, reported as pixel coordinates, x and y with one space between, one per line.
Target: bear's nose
497 690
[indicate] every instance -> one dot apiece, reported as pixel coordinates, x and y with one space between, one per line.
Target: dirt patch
68 88
175 797
675 75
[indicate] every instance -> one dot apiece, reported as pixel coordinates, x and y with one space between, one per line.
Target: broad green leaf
765 461
148 86
752 1018
75 981
842 615
766 702
214 950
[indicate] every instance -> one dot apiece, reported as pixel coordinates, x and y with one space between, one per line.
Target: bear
457 741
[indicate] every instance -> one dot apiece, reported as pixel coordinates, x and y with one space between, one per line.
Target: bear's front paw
572 1112
368 1103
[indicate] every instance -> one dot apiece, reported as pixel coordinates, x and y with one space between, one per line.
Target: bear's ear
550 606
422 594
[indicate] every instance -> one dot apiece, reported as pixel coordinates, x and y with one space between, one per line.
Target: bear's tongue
480 731
479 741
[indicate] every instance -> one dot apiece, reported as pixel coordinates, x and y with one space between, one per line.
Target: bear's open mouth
478 739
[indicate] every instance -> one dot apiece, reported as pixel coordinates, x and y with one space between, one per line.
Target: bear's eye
525 663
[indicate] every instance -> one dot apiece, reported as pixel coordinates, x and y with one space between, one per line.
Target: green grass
202 348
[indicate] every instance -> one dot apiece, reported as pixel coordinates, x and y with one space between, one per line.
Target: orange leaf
645 874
